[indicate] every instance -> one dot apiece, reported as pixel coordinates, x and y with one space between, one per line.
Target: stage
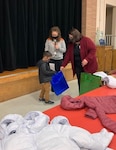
23 81
18 82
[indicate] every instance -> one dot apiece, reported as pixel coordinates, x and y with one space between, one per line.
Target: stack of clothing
109 80
35 131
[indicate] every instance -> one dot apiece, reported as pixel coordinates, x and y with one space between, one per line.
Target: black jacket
44 72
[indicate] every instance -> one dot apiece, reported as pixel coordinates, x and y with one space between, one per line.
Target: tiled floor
22 105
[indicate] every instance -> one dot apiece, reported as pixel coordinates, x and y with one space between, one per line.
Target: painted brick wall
89 12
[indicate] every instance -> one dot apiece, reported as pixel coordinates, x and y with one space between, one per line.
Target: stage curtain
25 24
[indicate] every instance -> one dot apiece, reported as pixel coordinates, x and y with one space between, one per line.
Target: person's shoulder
61 39
70 43
86 39
48 39
41 62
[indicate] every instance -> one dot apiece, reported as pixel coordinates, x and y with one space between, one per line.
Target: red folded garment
97 106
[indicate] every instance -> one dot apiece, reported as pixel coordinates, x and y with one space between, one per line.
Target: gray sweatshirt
44 72
57 54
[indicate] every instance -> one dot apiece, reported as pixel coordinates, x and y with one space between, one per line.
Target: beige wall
94 18
111 2
114 26
109 11
101 13
101 16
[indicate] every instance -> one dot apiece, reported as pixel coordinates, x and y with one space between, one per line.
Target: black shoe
41 99
52 90
49 102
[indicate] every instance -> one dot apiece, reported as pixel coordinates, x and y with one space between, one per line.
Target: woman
55 44
81 52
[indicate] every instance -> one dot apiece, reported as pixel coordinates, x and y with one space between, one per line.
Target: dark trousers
78 74
57 64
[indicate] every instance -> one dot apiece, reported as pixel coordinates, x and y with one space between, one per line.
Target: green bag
89 82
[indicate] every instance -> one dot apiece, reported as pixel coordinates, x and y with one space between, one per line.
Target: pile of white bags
108 80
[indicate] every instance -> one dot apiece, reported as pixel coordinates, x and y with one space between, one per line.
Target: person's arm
66 59
62 47
46 72
91 51
47 45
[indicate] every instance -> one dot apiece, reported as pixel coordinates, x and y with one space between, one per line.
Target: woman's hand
56 46
84 62
61 68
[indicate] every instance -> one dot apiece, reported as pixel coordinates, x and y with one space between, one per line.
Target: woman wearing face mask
81 52
55 44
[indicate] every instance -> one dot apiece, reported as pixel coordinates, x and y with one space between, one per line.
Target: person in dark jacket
81 52
45 75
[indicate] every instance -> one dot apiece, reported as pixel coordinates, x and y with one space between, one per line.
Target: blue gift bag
59 83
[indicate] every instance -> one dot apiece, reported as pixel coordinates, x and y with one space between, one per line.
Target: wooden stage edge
23 81
18 82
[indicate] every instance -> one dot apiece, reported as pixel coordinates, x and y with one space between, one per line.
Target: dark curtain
25 24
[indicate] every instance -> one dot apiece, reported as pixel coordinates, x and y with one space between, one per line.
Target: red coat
87 51
97 106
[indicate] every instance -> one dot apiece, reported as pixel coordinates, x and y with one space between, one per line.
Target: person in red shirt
81 52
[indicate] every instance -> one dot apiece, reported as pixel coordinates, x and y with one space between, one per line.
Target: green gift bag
89 82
